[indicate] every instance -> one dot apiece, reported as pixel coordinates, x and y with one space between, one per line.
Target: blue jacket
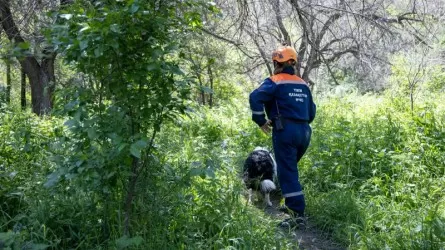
286 91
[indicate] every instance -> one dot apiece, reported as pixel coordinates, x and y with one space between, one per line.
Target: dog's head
271 156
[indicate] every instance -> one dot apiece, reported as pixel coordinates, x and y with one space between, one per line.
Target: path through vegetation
309 238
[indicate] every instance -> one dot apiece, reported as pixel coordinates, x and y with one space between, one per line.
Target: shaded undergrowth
373 178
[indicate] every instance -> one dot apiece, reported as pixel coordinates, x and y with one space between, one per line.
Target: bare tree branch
220 37
304 39
315 46
262 53
276 7
236 44
65 2
327 32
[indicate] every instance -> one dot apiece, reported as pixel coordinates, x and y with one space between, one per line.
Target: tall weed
374 172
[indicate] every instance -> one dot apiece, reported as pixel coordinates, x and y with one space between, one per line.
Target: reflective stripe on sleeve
257 112
293 194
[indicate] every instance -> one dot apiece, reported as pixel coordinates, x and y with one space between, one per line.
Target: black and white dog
260 171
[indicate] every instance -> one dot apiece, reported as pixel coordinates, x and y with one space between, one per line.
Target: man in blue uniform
287 101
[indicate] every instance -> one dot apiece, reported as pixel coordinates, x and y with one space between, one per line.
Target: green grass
375 173
373 176
189 197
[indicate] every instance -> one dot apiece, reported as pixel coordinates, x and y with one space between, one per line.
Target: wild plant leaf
196 172
71 123
124 241
52 179
92 133
7 239
137 147
207 90
134 8
24 45
122 146
210 172
38 246
439 227
66 16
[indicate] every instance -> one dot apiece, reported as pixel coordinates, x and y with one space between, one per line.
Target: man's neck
289 70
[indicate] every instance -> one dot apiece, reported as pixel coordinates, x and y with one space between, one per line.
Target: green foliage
414 74
190 197
127 50
6 51
203 157
11 241
125 131
437 81
24 164
374 173
133 92
212 70
373 177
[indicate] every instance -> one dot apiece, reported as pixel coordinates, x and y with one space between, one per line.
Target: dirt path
309 238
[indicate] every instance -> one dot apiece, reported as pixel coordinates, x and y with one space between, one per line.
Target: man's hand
267 127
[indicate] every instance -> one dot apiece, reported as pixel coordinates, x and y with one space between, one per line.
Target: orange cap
284 54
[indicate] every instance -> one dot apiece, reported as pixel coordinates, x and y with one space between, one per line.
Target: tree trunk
209 71
278 16
8 81
131 193
262 53
41 79
201 86
41 75
23 89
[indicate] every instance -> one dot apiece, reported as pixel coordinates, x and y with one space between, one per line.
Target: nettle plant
128 54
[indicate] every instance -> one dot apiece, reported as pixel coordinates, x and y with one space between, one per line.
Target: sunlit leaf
134 8
24 45
66 16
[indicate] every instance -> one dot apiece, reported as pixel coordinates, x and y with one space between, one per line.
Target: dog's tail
267 186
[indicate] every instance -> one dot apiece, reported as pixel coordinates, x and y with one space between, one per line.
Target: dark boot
294 222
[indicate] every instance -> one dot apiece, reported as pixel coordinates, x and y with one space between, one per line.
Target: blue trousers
290 145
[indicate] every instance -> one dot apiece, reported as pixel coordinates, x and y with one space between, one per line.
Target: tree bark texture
41 74
209 71
131 193
23 89
278 16
201 89
8 81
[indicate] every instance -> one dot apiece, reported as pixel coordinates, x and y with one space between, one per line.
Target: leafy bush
24 164
202 158
373 173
